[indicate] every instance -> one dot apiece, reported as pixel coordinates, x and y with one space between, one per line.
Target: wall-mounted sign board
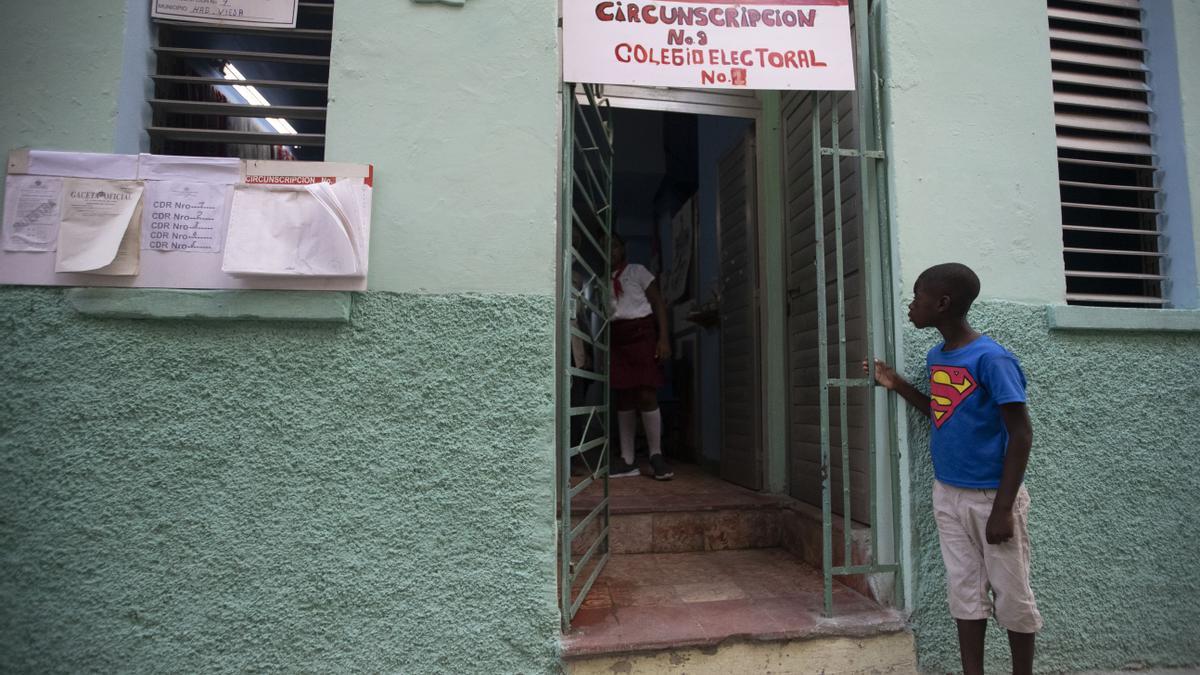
84 219
261 13
709 44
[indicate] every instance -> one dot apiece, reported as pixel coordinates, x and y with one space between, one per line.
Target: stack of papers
298 230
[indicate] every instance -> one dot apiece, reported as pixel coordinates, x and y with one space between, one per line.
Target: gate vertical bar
840 274
822 357
868 135
888 297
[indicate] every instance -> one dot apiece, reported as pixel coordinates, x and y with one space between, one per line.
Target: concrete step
699 512
878 654
730 611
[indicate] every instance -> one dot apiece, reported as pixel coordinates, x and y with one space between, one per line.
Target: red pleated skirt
633 362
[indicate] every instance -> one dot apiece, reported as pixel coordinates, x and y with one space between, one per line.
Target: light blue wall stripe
137 63
1172 153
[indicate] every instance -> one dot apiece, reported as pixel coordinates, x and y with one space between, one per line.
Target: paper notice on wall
301 230
185 216
31 212
73 164
99 232
265 13
223 170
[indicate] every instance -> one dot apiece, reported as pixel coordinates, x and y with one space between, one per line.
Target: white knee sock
652 421
627 421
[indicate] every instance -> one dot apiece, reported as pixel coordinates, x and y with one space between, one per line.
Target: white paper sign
225 170
31 212
295 230
265 13
709 44
185 216
100 224
73 164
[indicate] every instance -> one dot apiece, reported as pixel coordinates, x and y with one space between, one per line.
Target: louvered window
230 91
1106 162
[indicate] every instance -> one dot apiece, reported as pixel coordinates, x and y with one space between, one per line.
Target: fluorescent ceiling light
252 96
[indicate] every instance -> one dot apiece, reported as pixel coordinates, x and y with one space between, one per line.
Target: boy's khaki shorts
975 567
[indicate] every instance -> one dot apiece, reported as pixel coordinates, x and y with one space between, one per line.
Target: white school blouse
633 304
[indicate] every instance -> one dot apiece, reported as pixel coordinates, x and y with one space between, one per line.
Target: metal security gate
582 396
838 372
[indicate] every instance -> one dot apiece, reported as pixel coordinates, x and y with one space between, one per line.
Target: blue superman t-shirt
967 386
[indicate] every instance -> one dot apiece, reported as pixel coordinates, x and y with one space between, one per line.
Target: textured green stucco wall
458 108
1114 477
970 140
212 496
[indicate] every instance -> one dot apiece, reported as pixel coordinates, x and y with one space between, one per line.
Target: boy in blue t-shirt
980 441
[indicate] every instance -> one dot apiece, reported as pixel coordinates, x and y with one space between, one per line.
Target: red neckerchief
616 279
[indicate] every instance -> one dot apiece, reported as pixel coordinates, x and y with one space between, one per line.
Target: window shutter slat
242 91
1112 251
1096 18
1121 4
1062 54
1129 276
1106 186
1113 299
1101 102
1100 81
1103 113
1112 230
246 137
1109 145
1092 39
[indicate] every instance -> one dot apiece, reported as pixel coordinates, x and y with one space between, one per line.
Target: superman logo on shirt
949 386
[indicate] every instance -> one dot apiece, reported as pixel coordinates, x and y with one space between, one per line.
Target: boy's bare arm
1020 439
888 378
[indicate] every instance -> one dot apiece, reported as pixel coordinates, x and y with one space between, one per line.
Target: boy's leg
966 577
971 633
651 419
1008 573
1021 645
652 422
626 423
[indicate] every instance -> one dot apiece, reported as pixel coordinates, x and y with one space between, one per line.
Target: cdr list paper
183 216
31 213
100 224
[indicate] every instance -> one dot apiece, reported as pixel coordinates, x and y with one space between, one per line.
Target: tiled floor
675 600
691 490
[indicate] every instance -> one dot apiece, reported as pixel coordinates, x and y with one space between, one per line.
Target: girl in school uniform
639 346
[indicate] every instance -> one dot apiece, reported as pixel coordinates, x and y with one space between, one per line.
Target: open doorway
685 202
713 553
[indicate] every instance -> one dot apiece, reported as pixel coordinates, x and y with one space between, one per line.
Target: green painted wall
971 146
61 74
372 497
1113 476
458 110
209 496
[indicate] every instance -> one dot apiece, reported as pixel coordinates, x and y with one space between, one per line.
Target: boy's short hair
955 280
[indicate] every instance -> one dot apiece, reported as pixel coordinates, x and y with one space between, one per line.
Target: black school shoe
620 469
661 470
